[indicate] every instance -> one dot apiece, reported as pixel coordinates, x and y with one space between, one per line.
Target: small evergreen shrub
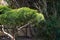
19 16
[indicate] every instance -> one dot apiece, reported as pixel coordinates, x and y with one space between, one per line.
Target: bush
19 16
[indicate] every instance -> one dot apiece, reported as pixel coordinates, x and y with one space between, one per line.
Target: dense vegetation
11 18
49 29
19 16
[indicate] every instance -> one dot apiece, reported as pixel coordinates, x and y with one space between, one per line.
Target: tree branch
36 5
7 33
24 26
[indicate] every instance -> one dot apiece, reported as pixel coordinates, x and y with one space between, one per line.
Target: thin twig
24 26
7 33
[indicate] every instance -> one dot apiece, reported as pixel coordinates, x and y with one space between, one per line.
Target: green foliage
4 9
58 8
49 29
20 16
52 25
